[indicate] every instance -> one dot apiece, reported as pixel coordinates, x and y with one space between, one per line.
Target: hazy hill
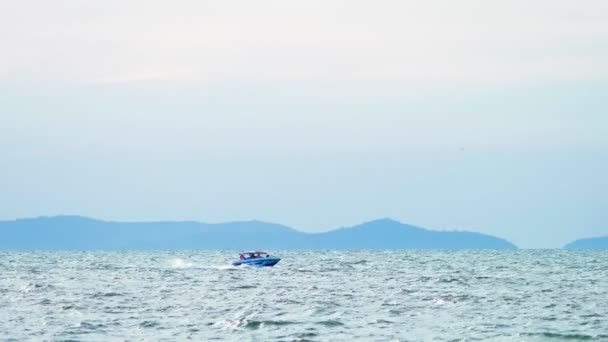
590 243
390 234
80 233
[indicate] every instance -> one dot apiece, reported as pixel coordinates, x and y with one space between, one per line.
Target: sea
523 295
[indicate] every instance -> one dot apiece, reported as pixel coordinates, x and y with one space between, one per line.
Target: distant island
81 233
590 243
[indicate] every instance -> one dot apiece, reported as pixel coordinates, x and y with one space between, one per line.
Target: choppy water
324 296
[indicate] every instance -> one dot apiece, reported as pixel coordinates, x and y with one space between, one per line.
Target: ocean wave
438 296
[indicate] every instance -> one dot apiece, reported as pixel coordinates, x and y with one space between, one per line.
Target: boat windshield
253 255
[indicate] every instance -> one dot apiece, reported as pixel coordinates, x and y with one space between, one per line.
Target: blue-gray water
324 296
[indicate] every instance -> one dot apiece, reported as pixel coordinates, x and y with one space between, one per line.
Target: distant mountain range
81 233
590 243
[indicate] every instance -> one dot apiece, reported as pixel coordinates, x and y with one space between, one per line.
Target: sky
471 115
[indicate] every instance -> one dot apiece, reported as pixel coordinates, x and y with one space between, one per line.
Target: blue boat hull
258 262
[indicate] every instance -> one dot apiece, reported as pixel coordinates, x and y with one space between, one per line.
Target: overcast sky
479 115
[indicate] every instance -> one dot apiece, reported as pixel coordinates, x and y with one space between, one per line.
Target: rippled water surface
308 296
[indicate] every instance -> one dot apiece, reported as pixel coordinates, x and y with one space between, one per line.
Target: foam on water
313 296
224 267
180 263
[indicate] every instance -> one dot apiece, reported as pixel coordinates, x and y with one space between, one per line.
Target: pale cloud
476 41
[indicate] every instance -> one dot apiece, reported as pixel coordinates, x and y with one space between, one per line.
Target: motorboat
258 259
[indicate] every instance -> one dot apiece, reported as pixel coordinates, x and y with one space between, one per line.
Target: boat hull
257 262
